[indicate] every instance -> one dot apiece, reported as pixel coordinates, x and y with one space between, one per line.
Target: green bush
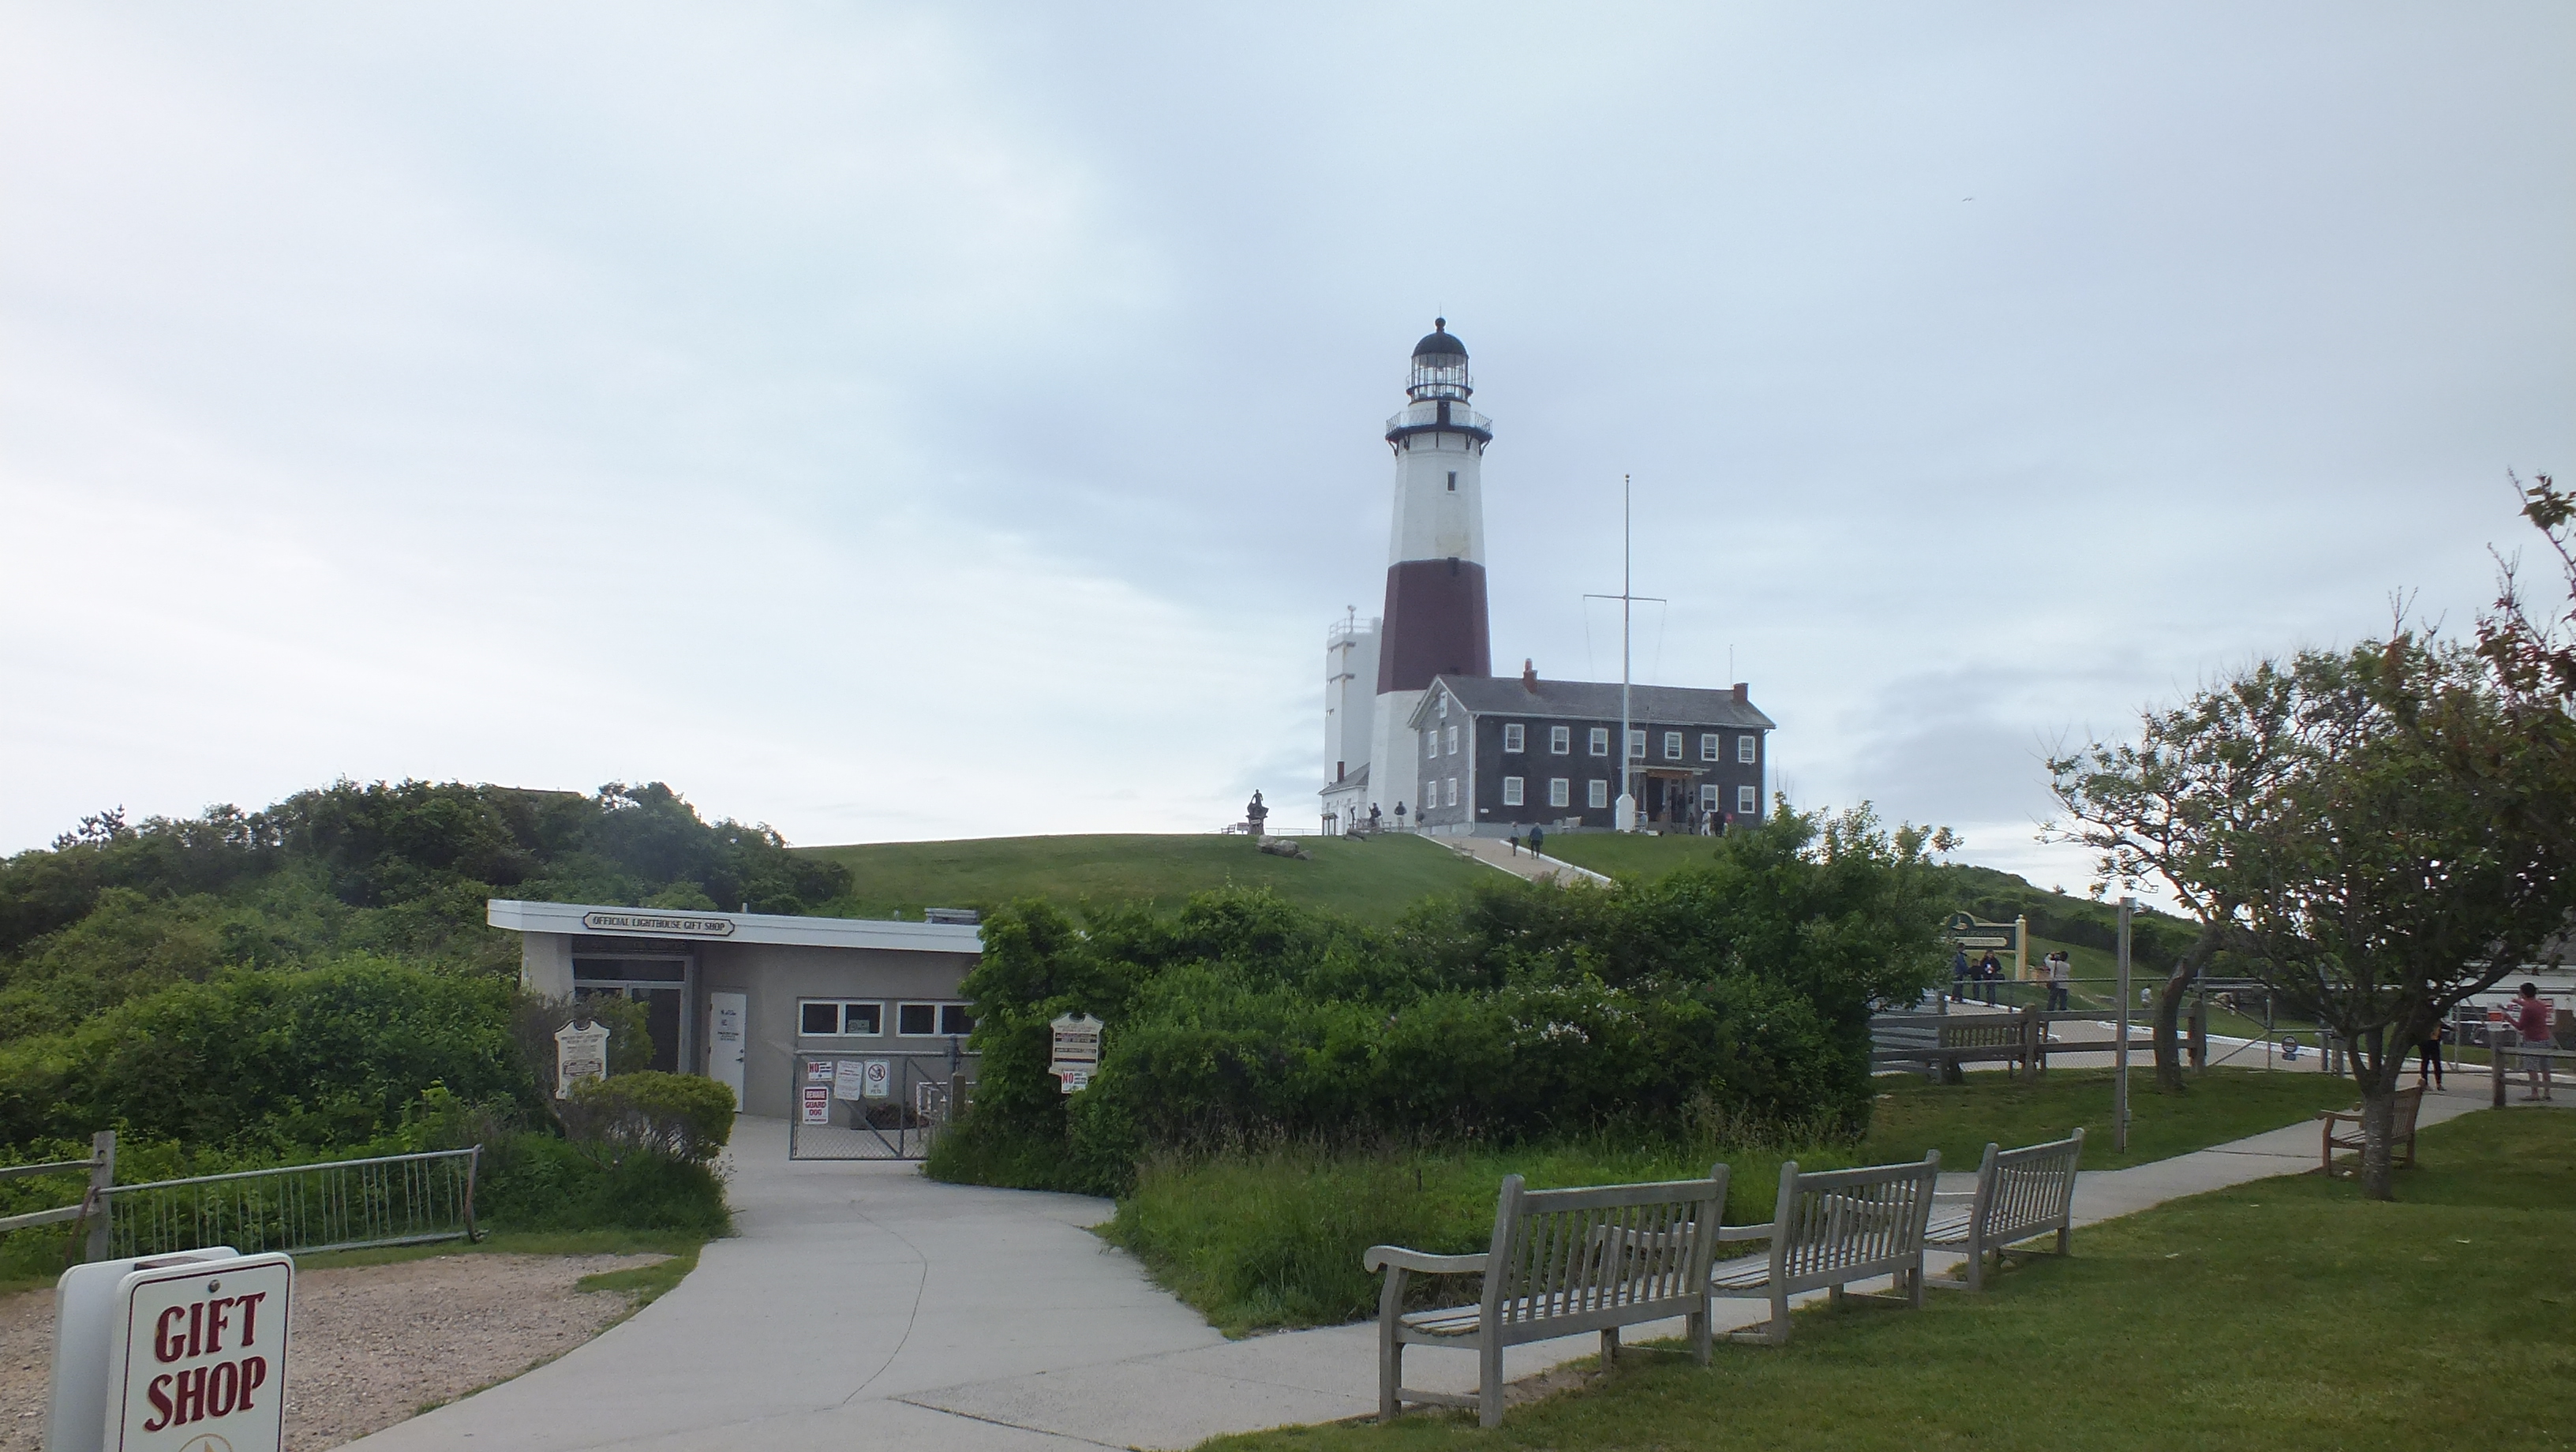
539 1182
682 1117
1742 986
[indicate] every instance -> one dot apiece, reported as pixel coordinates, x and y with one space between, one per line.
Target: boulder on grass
1285 847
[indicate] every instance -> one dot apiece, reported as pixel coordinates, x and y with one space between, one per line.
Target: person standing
1959 977
2429 1059
2529 1013
2061 974
1990 971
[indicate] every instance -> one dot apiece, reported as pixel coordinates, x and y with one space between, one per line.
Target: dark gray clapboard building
1497 753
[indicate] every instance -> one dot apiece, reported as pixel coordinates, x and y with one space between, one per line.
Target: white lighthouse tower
1434 622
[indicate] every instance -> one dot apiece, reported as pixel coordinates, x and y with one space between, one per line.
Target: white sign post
581 1052
180 1353
1077 1050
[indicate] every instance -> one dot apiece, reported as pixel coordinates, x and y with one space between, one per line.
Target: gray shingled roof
1599 700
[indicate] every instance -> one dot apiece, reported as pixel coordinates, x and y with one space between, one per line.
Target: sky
894 422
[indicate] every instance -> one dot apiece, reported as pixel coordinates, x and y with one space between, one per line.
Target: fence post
102 1174
2495 1064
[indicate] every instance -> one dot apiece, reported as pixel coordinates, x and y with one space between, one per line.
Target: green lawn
2285 1315
1913 1115
1373 880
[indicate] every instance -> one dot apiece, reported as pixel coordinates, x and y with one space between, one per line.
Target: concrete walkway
1497 852
865 1307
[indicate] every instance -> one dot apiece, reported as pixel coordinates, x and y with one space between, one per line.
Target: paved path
1498 852
864 1307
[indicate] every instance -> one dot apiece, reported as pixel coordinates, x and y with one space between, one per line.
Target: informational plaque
1077 1050
849 1079
202 1362
581 1052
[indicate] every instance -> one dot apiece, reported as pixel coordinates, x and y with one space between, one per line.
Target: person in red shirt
2529 1014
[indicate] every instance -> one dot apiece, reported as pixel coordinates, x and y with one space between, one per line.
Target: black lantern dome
1439 365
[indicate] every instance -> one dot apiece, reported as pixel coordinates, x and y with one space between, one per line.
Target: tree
2373 830
2172 807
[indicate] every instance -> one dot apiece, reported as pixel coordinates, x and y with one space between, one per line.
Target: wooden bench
1829 1230
2401 1129
2021 1194
1562 1262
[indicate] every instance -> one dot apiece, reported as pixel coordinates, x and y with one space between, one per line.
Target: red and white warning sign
817 1103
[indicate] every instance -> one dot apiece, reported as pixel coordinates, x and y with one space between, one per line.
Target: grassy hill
1373 880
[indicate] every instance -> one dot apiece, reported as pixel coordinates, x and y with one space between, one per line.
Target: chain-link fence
875 1106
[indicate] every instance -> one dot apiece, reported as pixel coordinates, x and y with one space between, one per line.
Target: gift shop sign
202 1364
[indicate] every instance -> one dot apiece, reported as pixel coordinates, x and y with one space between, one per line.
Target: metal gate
874 1106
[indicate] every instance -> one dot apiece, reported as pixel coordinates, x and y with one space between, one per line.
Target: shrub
678 1117
539 1182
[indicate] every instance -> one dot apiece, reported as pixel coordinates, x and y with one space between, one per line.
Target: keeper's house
1497 754
736 996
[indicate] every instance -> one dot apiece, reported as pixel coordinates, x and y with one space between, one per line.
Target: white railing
1427 415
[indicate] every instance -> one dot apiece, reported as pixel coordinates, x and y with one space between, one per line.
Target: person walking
2529 1013
1959 977
2429 1059
1516 839
1538 841
2061 975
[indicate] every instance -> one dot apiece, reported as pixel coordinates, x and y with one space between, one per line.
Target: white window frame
1709 743
1444 705
1560 791
934 1008
1708 796
1637 743
1512 792
1431 743
1748 801
1560 740
1600 792
1453 741
1600 741
841 1016
1748 748
1452 793
961 1010
1672 746
1515 736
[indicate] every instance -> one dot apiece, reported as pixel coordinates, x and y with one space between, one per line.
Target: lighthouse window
1453 481
1745 748
1557 791
1513 736
1560 739
1601 741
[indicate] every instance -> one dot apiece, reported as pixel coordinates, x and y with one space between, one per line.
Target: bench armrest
1379 1257
2331 1115
1745 1232
1960 1195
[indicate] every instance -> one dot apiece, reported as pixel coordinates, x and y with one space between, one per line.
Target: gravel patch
373 1345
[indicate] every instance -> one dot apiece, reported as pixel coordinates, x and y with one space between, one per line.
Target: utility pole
2120 1051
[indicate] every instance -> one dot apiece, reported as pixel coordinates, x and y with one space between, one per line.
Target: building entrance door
661 985
726 1015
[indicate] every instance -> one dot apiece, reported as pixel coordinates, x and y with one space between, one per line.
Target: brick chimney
1743 694
1529 676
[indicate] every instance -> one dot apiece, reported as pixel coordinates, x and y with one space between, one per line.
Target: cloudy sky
894 422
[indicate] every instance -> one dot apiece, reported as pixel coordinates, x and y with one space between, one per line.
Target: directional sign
203 1359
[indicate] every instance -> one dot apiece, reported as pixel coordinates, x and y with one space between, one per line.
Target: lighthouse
1434 621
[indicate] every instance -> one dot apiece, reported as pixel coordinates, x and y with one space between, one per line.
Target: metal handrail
340 1205
287 1170
11 1172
